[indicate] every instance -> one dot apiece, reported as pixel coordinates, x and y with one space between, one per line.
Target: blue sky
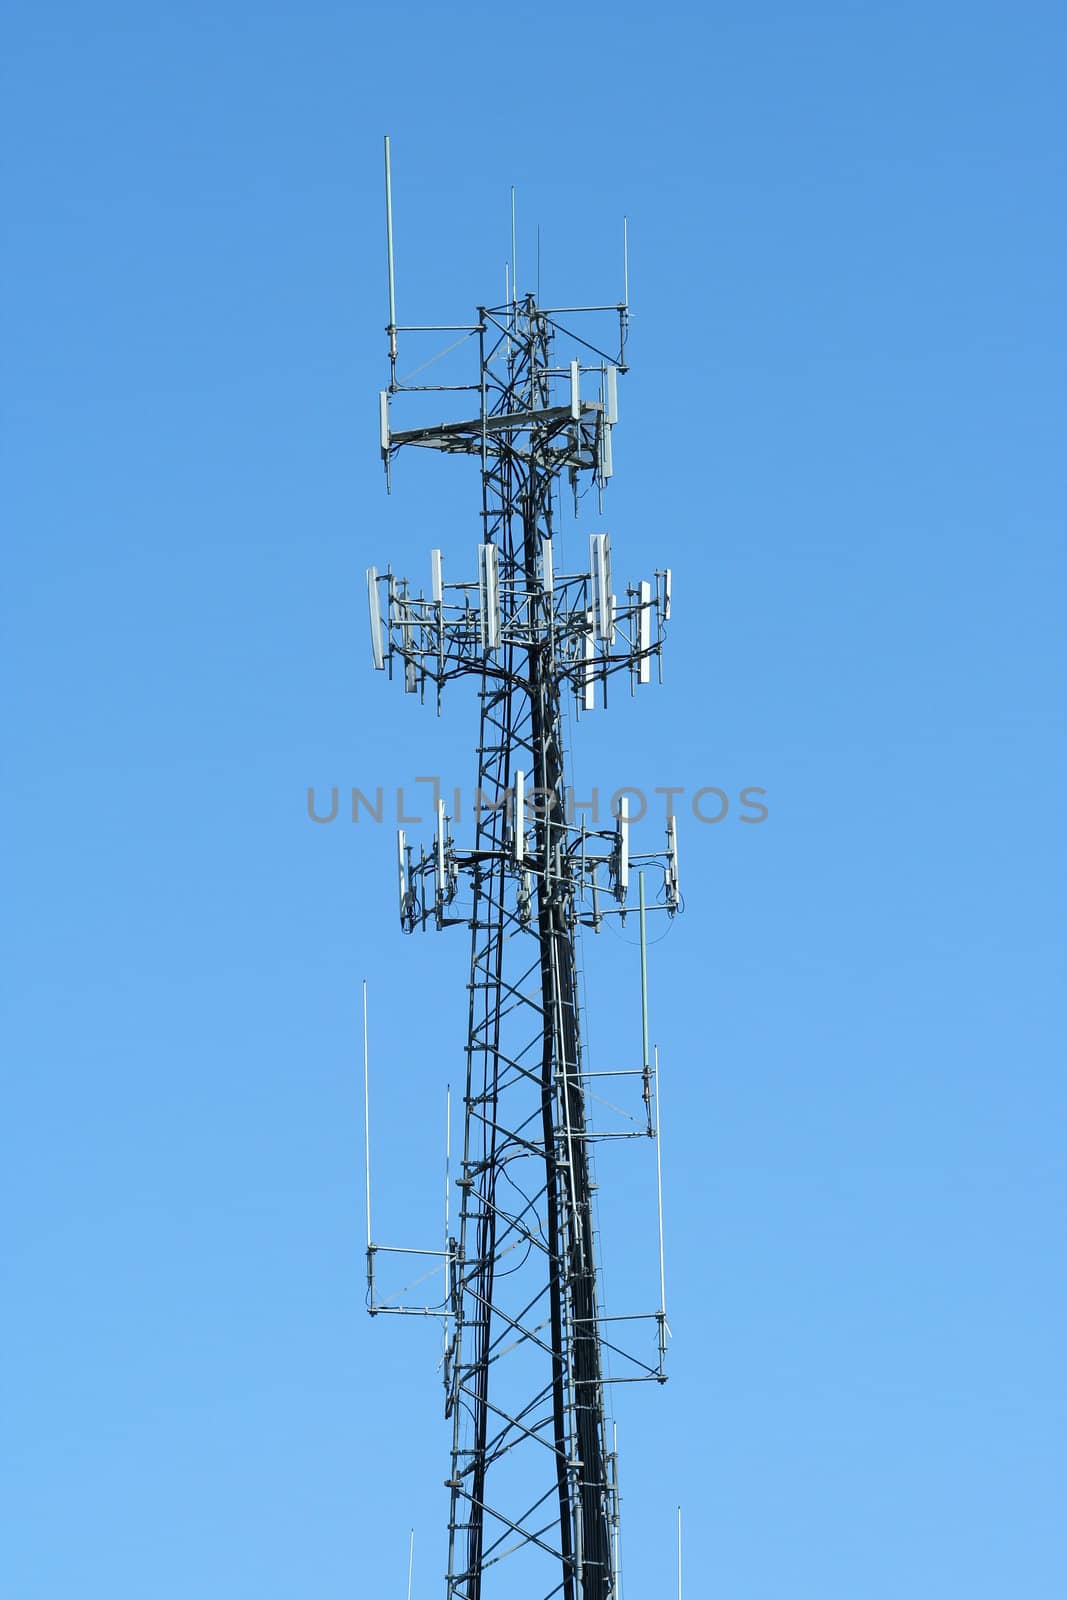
843 429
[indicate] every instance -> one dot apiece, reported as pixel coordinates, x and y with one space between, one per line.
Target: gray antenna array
528 1352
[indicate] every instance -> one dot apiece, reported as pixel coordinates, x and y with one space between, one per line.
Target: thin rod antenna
366 1149
448 1153
679 1553
411 1560
615 1470
366 1107
659 1204
391 330
538 263
514 254
644 970
448 1243
626 263
644 1000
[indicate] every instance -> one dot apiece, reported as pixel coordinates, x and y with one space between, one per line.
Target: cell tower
526 1345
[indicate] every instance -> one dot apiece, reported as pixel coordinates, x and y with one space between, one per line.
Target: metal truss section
528 1354
464 627
592 872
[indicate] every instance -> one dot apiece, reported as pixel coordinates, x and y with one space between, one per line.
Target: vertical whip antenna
366 1142
514 253
626 263
679 1553
445 1325
391 330
411 1560
664 1329
617 1518
448 1155
645 1087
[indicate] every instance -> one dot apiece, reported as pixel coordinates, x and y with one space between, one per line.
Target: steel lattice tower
533 1479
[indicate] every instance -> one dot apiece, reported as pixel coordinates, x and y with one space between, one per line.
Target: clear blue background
844 429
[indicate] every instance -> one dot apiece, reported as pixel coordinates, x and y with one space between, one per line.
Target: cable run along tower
528 1350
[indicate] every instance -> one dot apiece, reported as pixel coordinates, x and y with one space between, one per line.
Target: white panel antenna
376 644
518 820
606 465
667 595
489 596
402 870
671 871
611 396
383 420
436 577
622 849
589 697
439 854
576 390
546 565
644 632
600 583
